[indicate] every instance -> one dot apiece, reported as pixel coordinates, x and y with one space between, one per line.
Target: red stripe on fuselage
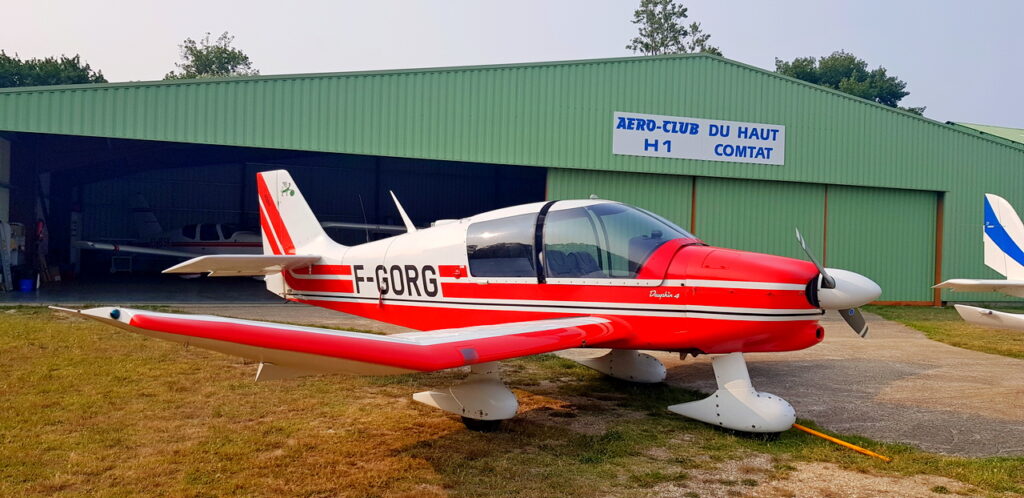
324 270
317 285
646 332
701 296
452 271
423 358
274 216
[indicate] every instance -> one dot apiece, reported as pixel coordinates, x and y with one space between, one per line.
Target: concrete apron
895 386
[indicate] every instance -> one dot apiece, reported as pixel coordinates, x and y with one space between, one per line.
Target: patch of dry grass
945 325
90 410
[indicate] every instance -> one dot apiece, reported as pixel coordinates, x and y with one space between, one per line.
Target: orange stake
856 448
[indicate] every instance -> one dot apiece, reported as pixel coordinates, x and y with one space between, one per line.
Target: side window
227 231
189 232
605 240
208 231
572 245
502 247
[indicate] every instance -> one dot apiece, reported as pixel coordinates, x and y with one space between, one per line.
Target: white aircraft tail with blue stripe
1004 238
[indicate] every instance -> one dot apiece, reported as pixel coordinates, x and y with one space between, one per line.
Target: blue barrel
26 284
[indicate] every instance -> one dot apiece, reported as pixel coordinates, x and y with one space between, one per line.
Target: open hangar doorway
88 190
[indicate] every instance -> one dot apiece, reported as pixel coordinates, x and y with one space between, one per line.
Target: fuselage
564 259
208 238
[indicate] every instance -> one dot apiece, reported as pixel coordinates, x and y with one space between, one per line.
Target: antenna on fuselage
409 227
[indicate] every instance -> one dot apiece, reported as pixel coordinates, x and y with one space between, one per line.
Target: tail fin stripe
275 218
994 229
269 232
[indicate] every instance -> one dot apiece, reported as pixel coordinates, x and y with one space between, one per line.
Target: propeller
855 320
827 282
843 294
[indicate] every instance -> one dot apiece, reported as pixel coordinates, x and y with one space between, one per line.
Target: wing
990 318
299 349
241 265
1008 287
103 246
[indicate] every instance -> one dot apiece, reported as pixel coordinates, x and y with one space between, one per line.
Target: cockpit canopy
578 240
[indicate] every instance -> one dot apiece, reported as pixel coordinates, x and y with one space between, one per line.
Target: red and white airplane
520 281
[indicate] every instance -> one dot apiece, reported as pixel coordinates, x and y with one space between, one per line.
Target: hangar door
885 234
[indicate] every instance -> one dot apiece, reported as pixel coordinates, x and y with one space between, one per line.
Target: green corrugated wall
557 115
667 195
760 216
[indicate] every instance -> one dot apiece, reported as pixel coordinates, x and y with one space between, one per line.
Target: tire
478 425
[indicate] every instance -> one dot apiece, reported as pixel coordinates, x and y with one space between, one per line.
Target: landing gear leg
628 364
482 401
736 405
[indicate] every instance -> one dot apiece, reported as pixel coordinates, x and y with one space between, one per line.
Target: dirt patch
828 480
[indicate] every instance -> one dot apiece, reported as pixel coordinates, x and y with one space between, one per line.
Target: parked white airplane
199 239
1004 238
185 242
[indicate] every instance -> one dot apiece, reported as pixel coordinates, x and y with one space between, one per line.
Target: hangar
735 154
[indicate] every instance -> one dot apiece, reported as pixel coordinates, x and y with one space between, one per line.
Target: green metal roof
555 114
1011 134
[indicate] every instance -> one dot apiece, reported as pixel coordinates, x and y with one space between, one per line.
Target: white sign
691 138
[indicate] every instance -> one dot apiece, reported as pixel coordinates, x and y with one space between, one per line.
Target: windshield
606 240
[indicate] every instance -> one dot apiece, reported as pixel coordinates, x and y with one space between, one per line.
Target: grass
945 325
90 410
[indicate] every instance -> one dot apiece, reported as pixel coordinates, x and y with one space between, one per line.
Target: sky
960 59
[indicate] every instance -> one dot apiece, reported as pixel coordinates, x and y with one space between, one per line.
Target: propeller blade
855 320
827 282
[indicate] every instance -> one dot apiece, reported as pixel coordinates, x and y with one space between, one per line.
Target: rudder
287 222
1004 237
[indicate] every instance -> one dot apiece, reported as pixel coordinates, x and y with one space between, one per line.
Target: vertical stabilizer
1004 238
287 222
146 223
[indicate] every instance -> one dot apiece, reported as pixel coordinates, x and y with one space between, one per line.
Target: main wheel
475 424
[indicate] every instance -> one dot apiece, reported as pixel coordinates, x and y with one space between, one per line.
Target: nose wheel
475 424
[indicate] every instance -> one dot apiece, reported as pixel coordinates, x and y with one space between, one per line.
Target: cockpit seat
586 265
573 264
559 265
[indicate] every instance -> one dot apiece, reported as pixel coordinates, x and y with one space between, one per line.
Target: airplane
184 242
518 281
1003 237
203 238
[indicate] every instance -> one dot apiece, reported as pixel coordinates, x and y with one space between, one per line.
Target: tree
663 32
211 60
845 72
49 71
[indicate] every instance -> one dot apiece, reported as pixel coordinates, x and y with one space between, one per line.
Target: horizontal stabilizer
364 226
990 318
1008 287
242 265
